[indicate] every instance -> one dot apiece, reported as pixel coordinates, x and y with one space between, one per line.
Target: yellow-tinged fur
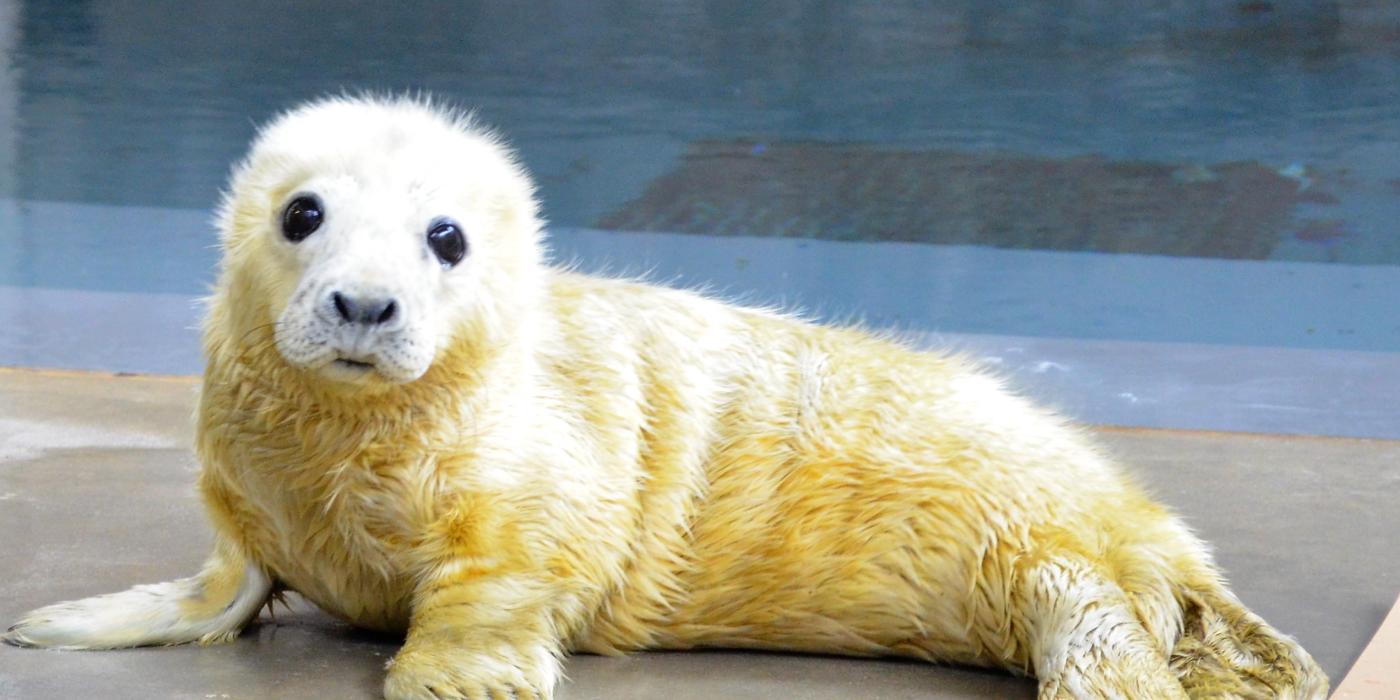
603 466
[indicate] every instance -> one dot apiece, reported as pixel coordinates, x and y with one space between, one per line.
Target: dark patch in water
859 192
1322 231
1316 196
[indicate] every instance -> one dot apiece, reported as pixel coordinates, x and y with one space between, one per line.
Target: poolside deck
96 494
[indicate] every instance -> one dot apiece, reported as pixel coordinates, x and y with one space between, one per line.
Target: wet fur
604 466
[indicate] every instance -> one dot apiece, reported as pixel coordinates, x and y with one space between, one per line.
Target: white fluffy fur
542 462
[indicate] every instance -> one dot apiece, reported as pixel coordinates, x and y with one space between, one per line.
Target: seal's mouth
347 363
350 370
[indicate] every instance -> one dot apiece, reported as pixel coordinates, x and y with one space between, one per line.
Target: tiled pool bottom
1270 347
917 287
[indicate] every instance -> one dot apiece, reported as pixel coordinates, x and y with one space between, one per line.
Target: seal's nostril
388 314
343 306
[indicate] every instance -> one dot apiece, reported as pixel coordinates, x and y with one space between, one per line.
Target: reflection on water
1260 129
9 95
10 261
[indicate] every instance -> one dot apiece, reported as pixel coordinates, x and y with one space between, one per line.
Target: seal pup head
371 235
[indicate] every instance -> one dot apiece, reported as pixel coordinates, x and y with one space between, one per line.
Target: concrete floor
96 494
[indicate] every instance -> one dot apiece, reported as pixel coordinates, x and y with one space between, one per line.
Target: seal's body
410 420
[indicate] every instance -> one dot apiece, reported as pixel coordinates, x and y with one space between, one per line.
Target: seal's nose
364 310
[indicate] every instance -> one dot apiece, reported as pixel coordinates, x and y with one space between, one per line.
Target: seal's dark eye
302 217
447 241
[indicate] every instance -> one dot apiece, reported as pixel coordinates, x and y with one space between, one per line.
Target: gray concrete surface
96 494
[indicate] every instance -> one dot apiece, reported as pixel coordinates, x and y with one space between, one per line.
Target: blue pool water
1219 173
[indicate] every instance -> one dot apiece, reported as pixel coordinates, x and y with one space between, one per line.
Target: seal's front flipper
209 608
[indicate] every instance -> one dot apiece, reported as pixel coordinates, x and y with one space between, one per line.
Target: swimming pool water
1275 124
